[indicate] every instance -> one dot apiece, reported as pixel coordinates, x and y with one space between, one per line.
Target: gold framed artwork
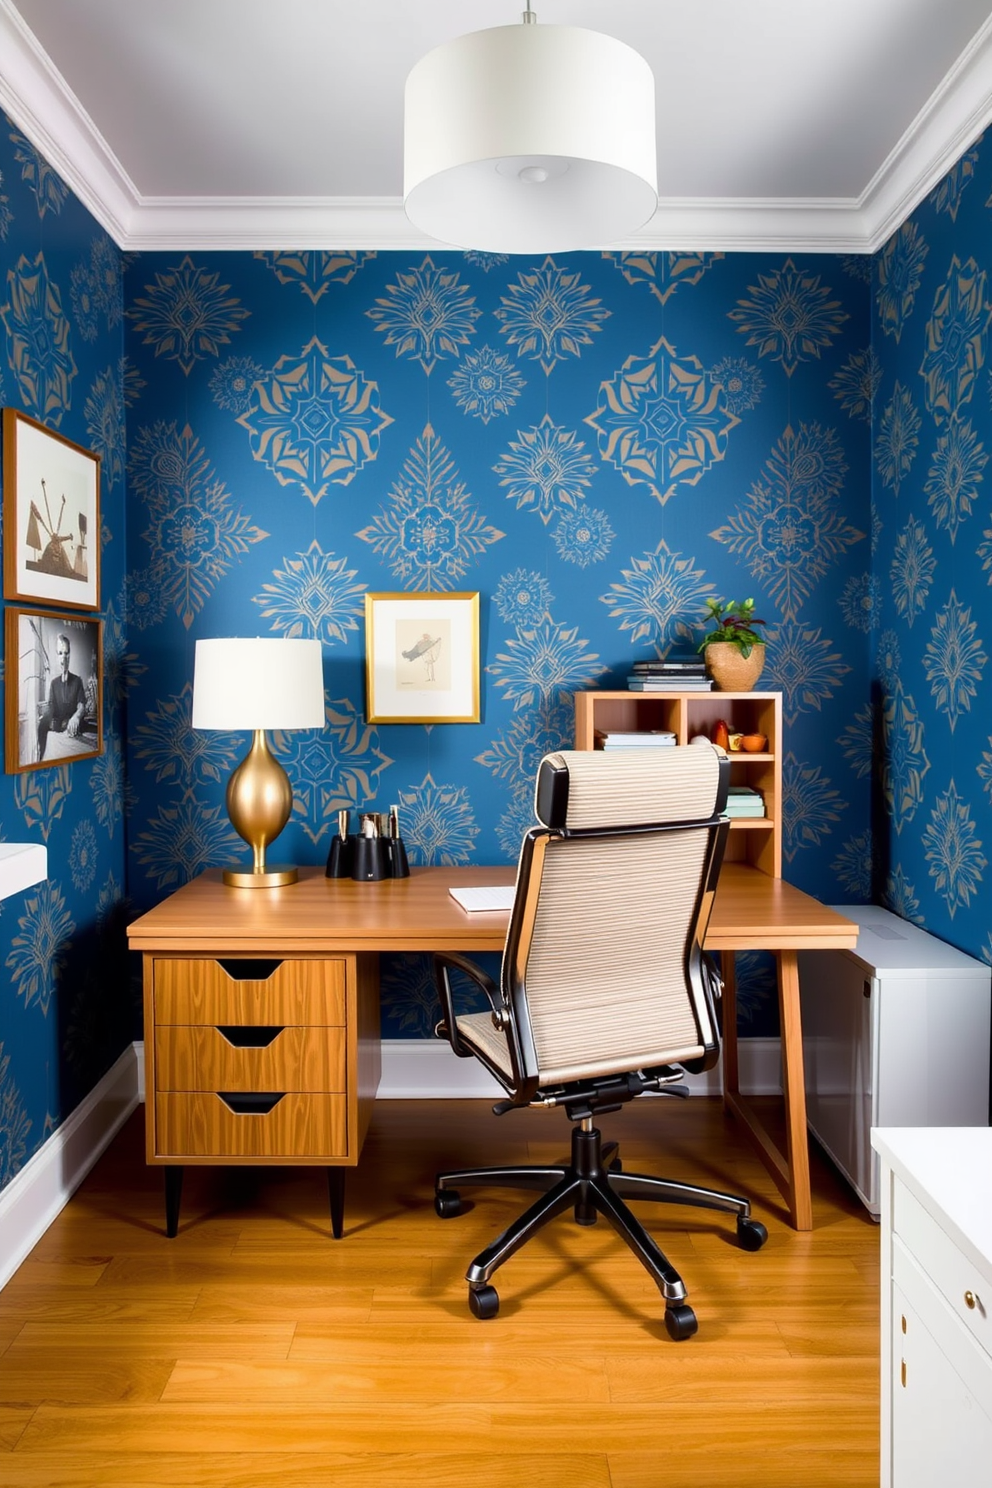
422 658
51 516
54 695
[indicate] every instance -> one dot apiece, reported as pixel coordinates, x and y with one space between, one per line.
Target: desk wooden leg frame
791 1172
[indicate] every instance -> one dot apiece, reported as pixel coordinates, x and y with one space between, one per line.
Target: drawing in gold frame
422 658
54 693
51 516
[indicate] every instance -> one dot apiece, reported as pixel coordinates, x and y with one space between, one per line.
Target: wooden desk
318 918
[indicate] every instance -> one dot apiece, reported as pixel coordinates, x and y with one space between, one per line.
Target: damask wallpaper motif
596 442
66 1011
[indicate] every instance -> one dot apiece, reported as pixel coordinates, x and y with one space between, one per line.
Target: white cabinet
936 1187
895 1033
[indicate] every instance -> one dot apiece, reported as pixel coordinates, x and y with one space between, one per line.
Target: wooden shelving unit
757 843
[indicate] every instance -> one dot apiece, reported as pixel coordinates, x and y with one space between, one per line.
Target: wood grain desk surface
318 914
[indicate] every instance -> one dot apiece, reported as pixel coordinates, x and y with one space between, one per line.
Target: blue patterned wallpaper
66 1009
933 563
596 443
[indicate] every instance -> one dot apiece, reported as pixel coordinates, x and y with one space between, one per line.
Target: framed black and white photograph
422 658
51 516
54 675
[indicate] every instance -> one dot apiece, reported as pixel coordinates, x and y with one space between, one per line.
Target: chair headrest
583 789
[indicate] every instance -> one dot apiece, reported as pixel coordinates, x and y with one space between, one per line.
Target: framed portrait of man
54 702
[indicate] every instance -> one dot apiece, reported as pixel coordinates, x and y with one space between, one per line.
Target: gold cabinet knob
970 1301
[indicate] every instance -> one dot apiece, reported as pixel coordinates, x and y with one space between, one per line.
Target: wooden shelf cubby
756 842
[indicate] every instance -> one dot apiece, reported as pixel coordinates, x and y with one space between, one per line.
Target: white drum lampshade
258 684
530 139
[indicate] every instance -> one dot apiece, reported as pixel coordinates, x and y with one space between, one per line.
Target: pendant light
530 139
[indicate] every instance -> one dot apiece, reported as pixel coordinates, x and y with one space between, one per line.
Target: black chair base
592 1183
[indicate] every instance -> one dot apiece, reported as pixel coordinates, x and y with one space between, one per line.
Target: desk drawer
243 991
297 1125
965 1292
243 1057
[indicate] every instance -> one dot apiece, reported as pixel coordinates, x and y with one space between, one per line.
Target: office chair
605 991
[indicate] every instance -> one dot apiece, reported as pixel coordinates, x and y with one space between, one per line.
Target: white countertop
949 1169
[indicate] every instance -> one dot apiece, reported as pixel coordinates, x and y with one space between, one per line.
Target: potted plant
733 648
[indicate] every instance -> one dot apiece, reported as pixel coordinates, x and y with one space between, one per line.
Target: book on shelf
694 665
642 682
745 813
644 739
744 800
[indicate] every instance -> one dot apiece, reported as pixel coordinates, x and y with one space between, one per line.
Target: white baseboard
40 1190
412 1069
426 1069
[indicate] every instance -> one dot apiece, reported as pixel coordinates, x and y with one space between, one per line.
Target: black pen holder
367 859
340 857
370 862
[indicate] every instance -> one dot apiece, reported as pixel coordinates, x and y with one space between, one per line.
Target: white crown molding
176 224
947 125
40 103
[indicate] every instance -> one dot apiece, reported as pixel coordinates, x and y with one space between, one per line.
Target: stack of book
743 800
686 673
648 739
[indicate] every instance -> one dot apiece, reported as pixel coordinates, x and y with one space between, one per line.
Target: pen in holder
342 853
398 865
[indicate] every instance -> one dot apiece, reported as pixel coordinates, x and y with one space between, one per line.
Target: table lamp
258 684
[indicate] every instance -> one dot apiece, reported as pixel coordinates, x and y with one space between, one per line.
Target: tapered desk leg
335 1194
791 1170
173 1196
731 1072
794 1089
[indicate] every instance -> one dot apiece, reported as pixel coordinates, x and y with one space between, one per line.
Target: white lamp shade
573 110
258 683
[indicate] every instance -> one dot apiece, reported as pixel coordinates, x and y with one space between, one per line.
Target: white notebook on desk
492 899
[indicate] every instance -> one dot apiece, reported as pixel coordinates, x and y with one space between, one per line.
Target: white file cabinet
895 1033
936 1417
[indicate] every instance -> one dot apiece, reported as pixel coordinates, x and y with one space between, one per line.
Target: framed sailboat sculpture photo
51 516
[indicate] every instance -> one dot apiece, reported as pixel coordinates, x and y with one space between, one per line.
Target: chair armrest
712 979
445 962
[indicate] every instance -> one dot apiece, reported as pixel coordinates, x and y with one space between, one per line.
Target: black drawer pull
252 1102
247 1036
250 971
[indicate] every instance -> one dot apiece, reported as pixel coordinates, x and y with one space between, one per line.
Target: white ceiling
782 124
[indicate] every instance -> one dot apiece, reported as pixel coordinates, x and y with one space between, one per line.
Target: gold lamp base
270 878
259 802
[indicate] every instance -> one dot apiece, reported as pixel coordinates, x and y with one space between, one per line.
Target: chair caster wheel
680 1322
483 1301
616 1166
751 1234
447 1203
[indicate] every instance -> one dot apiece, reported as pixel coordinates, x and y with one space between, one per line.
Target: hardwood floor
253 1350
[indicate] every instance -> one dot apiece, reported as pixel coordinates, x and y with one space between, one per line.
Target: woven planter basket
732 672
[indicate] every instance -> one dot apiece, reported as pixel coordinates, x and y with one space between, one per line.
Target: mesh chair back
602 959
